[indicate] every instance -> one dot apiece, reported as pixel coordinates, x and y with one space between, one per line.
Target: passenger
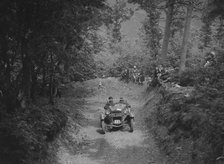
121 101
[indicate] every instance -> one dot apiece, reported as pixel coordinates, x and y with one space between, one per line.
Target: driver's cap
110 98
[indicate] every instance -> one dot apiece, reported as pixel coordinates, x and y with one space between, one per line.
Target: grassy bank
187 127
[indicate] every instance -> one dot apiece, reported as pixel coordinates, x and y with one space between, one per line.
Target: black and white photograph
111 81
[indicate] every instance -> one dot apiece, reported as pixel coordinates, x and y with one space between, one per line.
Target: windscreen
118 107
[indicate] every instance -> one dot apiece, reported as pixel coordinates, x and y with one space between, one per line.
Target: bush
24 134
200 116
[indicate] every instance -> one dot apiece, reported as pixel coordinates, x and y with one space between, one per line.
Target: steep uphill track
116 147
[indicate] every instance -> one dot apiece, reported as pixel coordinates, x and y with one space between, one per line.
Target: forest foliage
195 118
43 44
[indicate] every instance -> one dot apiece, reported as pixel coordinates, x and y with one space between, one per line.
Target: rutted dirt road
117 147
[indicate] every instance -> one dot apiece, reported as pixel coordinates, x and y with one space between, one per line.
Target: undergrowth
190 126
25 133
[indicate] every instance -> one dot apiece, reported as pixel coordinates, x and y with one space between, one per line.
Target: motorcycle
117 116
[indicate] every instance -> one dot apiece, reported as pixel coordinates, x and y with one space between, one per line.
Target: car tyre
131 125
103 126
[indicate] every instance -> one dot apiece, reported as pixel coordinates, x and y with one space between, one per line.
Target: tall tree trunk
25 22
185 38
221 29
5 58
34 84
43 85
51 91
169 16
51 84
26 59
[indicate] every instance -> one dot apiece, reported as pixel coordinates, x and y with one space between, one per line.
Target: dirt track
117 147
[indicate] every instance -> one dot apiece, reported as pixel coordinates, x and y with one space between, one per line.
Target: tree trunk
51 92
34 84
51 84
185 38
43 85
26 59
221 40
26 14
169 16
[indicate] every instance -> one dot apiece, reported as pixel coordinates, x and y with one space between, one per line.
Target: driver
109 103
121 101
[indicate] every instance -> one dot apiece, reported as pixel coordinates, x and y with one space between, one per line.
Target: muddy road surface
116 147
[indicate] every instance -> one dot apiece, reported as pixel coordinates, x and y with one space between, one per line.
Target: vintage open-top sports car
117 116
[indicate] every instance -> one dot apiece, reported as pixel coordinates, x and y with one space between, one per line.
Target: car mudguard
132 115
102 116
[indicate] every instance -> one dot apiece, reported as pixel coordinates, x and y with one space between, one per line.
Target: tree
169 17
215 13
114 15
220 33
25 27
206 32
38 39
151 26
186 37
